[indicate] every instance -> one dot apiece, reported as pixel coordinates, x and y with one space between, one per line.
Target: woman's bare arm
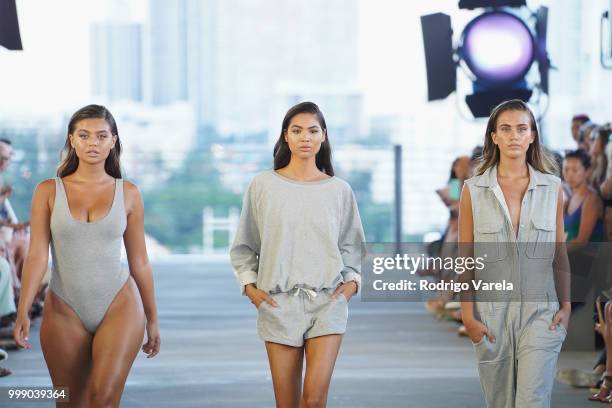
140 268
136 250
37 260
561 266
466 249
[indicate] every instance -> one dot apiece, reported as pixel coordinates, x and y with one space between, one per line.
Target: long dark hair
282 154
536 155
69 160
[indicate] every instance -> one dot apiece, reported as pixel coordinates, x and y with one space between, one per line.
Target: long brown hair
536 155
282 153
69 160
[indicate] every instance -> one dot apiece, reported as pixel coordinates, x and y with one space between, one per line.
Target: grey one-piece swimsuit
87 272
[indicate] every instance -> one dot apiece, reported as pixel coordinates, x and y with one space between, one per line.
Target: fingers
556 321
336 292
489 335
155 348
270 301
25 332
152 346
20 334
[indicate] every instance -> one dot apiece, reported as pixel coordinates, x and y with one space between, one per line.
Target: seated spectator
475 159
584 215
7 308
599 161
605 189
450 194
577 121
15 234
605 390
584 135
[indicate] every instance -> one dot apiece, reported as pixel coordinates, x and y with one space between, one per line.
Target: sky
52 74
53 70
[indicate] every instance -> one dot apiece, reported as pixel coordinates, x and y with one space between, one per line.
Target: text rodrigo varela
413 264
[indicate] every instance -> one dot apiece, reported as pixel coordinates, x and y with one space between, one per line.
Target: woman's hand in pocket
477 330
257 296
347 289
562 317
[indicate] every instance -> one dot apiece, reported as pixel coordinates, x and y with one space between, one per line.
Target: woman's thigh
66 346
321 354
286 367
116 343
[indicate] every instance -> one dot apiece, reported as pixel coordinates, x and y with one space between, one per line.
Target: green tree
174 209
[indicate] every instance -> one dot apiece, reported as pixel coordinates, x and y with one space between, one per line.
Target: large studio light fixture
9 26
497 47
497 50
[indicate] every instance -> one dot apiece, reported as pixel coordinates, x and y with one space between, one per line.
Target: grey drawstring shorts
302 313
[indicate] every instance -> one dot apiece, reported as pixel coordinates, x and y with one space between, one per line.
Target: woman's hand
21 331
477 330
348 289
151 347
561 317
257 296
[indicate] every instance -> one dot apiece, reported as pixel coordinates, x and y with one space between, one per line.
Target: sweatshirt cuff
245 278
352 276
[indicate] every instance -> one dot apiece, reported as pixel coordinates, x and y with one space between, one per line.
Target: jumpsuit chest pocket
541 239
490 241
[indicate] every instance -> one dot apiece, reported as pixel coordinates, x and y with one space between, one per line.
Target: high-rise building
231 59
167 52
116 60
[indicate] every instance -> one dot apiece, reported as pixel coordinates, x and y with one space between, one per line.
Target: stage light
498 48
472 4
9 26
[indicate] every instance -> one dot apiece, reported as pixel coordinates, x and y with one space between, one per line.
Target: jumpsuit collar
489 178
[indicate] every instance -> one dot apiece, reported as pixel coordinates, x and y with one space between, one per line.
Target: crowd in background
14 241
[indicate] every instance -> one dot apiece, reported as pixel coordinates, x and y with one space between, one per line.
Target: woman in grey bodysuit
94 315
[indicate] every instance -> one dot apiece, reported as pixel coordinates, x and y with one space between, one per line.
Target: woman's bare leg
66 346
321 354
286 364
115 346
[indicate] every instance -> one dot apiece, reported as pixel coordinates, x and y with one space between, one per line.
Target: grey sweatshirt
297 233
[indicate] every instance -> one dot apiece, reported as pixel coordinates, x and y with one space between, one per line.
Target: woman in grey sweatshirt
297 256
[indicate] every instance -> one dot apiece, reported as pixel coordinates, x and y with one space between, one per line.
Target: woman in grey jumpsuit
511 215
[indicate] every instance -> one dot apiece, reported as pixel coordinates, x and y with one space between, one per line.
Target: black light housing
9 26
496 76
473 4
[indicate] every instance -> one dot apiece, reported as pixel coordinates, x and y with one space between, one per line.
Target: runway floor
393 355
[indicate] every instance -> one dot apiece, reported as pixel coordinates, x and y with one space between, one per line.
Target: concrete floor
394 354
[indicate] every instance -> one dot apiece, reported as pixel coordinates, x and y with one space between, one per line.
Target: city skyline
390 51
383 88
